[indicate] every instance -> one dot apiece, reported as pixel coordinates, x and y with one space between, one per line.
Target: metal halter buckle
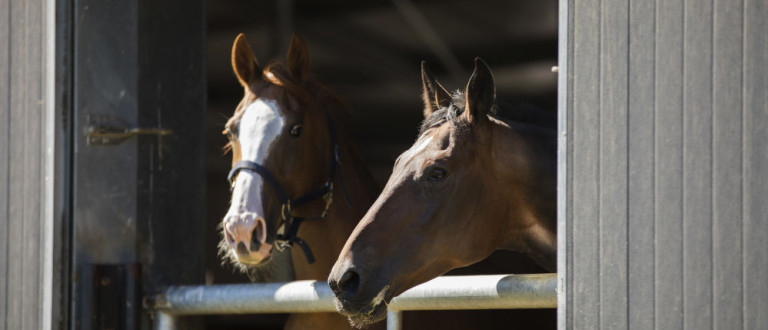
328 197
281 245
285 213
286 210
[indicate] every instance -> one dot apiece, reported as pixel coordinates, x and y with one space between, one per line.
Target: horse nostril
334 287
255 243
241 249
349 283
258 233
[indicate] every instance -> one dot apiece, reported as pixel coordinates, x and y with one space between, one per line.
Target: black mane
519 112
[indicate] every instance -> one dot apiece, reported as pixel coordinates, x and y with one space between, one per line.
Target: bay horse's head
281 142
459 193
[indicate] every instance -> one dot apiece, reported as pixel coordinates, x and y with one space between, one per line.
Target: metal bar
165 321
290 297
442 293
394 320
564 104
481 292
51 172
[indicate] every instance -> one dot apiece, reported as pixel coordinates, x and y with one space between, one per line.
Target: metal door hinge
107 135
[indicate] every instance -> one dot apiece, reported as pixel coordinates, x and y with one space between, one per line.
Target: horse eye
296 129
437 174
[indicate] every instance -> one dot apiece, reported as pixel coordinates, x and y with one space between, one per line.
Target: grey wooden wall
31 163
664 181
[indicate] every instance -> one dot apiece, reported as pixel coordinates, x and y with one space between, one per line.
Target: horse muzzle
246 235
354 300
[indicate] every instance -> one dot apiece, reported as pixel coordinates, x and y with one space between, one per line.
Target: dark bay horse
473 182
293 171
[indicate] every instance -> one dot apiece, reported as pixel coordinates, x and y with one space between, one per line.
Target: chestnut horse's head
281 148
460 192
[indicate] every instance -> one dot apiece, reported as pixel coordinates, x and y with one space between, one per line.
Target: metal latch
105 135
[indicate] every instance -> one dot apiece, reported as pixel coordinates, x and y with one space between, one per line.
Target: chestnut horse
473 182
295 180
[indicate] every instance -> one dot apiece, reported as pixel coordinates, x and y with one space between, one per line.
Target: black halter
290 226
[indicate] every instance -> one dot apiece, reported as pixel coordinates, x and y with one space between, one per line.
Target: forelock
449 114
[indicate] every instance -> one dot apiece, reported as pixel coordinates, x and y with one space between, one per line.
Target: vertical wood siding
22 119
755 164
641 217
666 225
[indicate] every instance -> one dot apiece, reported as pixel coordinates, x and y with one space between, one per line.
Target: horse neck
534 150
326 237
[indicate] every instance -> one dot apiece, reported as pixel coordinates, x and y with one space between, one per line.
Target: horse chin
374 311
245 264
371 315
250 263
253 258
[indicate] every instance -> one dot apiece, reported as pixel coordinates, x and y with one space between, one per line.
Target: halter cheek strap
287 234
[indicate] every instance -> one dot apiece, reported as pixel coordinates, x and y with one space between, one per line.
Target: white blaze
420 145
259 127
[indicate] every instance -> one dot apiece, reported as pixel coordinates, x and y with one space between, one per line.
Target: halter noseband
291 223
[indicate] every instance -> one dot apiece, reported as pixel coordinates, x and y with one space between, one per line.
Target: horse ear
298 57
244 63
480 93
435 96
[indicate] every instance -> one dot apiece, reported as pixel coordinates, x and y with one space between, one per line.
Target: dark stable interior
369 53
